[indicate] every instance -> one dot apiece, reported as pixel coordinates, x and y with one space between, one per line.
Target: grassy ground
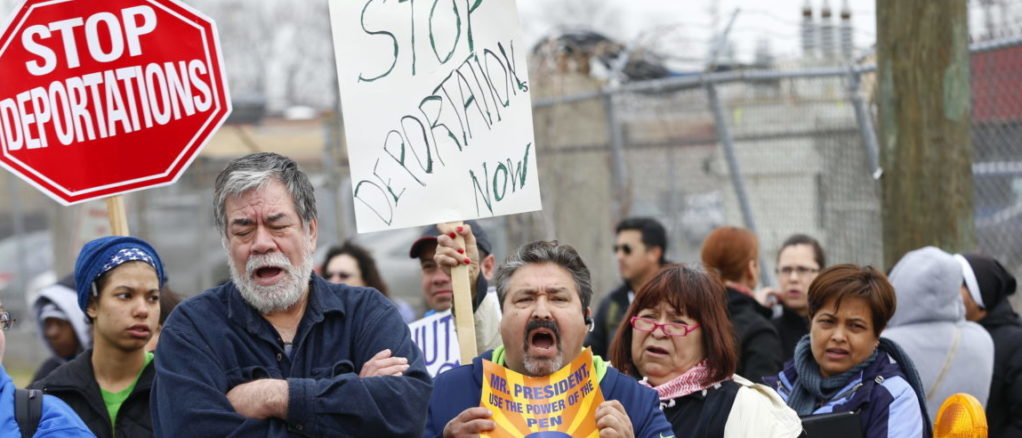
21 376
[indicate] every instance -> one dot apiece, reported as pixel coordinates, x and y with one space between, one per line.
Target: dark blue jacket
216 341
887 404
461 388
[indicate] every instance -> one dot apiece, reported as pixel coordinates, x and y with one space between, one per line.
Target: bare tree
276 50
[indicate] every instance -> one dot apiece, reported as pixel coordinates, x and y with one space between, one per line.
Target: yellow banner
561 405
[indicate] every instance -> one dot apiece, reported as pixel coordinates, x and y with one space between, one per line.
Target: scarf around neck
811 388
687 383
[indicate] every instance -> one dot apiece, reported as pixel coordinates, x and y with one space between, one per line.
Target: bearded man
278 351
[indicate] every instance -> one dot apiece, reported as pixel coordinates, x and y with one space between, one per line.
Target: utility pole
924 112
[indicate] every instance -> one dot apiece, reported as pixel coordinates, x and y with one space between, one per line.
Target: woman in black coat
985 295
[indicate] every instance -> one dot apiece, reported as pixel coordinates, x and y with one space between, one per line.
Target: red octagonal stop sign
105 97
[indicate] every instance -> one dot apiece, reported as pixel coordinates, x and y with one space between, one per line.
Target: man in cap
438 290
278 351
118 281
985 295
545 291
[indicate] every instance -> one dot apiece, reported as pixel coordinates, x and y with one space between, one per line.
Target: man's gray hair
254 171
540 252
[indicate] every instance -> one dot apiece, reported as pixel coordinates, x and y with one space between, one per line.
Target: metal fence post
733 169
865 122
18 234
617 168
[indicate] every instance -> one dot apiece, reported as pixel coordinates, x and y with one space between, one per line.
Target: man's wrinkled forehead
552 290
261 200
272 218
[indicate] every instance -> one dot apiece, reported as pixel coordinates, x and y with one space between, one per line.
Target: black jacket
47 367
1004 407
75 383
608 317
702 414
791 327
759 353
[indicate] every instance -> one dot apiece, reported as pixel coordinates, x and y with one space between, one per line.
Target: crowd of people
695 349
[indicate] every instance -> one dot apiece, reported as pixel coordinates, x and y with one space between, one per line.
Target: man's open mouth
268 275
543 341
267 271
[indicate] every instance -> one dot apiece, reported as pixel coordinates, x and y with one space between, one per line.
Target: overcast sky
689 25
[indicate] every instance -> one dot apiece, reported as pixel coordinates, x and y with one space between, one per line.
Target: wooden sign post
118 216
464 321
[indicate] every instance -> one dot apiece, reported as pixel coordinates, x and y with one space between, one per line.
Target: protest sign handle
463 317
118 217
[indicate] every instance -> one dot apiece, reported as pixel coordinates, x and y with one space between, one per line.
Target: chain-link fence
997 151
781 151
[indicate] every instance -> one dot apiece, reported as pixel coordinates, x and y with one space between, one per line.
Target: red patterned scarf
687 383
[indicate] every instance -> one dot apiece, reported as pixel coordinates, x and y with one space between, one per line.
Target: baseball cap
429 233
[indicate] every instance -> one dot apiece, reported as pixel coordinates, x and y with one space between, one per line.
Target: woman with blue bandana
118 280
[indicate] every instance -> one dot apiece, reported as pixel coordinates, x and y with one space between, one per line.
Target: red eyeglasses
670 328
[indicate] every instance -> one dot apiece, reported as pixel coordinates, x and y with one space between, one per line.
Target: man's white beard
543 367
277 297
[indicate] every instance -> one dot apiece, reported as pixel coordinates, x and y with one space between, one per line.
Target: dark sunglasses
623 248
341 275
6 321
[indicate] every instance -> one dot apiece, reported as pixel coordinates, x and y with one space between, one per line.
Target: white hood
926 282
66 299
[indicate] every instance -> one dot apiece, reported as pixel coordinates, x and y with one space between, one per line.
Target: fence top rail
1001 43
703 79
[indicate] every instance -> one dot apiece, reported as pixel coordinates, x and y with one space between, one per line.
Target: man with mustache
544 290
278 351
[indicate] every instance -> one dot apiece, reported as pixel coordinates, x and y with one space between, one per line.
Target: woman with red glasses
680 342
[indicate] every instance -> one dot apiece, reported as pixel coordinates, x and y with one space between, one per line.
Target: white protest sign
436 338
437 110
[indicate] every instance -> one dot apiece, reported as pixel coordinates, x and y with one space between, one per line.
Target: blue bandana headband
101 255
128 255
